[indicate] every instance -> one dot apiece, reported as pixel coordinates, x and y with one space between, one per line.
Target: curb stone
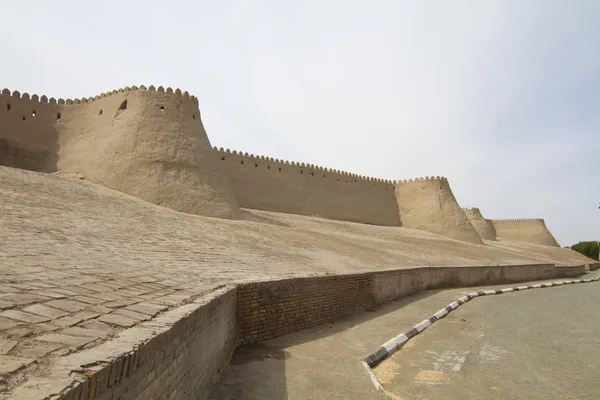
394 344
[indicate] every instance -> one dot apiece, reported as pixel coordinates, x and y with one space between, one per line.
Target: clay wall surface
147 143
526 230
264 183
179 356
484 227
429 204
28 136
273 308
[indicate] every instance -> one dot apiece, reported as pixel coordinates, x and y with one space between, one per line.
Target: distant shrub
589 249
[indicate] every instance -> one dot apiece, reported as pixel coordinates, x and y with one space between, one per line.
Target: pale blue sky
502 97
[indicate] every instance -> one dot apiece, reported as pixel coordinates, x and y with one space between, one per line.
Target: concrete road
323 362
538 344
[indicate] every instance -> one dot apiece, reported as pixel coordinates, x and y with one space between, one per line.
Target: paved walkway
323 362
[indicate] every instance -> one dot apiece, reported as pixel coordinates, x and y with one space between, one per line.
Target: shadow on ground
321 362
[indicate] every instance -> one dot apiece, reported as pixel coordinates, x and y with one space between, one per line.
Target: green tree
588 249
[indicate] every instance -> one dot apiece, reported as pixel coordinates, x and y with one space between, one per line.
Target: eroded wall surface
429 204
484 227
264 183
28 135
526 230
147 143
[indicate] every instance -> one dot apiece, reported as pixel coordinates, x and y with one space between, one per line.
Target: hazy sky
502 97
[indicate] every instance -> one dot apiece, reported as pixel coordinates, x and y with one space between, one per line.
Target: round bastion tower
148 143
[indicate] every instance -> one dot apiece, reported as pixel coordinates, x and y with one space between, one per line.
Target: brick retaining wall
274 308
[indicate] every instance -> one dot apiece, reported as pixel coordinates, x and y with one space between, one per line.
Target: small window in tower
123 105
100 112
162 108
58 115
33 113
7 106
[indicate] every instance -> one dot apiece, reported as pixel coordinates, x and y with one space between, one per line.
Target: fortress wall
148 143
28 137
429 204
526 230
484 227
273 308
264 183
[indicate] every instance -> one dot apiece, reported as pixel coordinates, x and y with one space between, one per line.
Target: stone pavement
79 262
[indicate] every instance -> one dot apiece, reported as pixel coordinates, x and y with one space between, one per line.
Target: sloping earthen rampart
531 230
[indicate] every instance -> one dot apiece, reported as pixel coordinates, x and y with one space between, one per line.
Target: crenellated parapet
512 220
301 167
46 100
426 178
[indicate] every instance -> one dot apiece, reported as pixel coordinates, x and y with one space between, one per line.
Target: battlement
518 220
426 178
44 99
311 169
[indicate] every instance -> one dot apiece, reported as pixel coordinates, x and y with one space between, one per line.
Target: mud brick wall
273 308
